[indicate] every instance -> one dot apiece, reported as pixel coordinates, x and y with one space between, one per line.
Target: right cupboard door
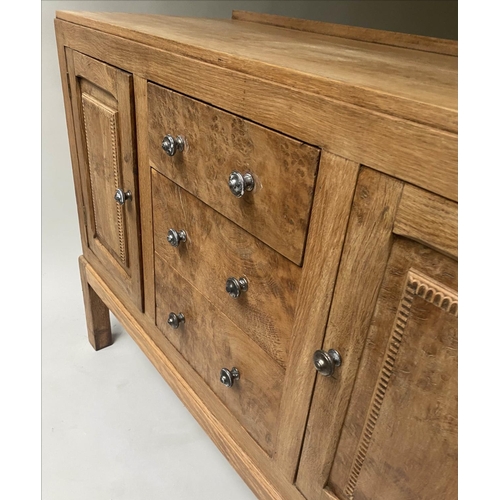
384 425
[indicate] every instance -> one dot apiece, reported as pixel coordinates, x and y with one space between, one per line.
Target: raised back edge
408 41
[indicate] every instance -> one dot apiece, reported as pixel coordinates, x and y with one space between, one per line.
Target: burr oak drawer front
246 379
260 179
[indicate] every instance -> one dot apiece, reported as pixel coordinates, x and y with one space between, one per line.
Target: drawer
209 342
217 143
217 249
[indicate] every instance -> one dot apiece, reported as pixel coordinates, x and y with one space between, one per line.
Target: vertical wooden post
96 313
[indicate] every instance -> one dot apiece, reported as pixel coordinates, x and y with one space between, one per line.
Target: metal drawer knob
174 237
326 361
174 320
171 145
122 197
234 286
239 183
228 377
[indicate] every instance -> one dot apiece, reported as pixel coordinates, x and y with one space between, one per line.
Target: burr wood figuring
269 207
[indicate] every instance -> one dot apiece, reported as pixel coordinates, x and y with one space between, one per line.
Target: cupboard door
384 426
102 102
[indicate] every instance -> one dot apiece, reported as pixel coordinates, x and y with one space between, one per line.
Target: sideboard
269 207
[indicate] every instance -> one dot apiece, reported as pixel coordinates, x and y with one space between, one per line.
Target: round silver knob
174 320
326 361
174 237
122 197
228 377
234 286
171 145
239 183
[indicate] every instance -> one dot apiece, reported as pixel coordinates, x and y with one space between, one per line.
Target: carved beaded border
119 209
434 293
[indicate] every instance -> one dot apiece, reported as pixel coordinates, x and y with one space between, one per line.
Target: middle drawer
215 249
211 343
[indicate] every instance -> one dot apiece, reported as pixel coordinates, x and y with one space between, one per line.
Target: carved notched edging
420 285
116 174
119 208
434 292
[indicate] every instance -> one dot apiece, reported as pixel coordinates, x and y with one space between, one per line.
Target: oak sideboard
269 207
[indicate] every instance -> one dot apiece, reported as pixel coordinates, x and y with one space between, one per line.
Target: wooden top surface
406 40
412 84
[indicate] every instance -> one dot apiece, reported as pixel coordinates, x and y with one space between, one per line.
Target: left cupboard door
103 116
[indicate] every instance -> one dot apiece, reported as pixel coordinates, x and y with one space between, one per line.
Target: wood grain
100 128
366 251
326 238
405 40
102 105
400 434
65 83
277 210
96 313
217 249
145 203
314 90
238 447
420 155
210 342
429 219
422 86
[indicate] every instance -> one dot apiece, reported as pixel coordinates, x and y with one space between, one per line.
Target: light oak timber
61 51
107 97
96 313
253 465
105 140
328 222
96 80
375 278
218 143
399 438
107 215
209 341
114 273
406 40
366 251
329 219
145 203
409 151
113 281
429 219
422 87
217 249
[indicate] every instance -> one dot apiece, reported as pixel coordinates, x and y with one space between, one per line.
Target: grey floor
111 426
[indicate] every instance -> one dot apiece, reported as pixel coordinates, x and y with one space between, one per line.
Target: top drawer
218 143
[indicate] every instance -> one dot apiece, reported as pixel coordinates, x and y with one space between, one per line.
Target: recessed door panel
102 100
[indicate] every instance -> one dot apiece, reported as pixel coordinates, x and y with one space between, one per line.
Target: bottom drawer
209 341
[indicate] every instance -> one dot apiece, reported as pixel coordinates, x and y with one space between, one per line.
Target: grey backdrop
111 428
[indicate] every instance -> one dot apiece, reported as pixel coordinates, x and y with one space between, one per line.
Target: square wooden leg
96 312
